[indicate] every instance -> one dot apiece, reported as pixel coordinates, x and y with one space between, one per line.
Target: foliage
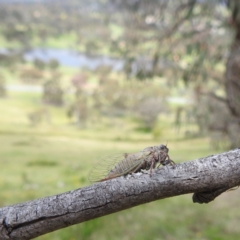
190 48
31 75
3 91
10 59
53 64
114 99
38 63
79 109
38 116
52 92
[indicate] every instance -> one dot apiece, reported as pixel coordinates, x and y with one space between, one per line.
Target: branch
213 95
189 6
206 177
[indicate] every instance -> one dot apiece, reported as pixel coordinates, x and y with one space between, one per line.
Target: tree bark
232 79
205 177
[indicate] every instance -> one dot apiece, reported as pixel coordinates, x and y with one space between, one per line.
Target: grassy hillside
53 158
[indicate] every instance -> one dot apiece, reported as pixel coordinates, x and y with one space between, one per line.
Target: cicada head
163 148
163 156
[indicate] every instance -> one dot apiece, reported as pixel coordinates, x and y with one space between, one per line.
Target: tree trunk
205 177
232 77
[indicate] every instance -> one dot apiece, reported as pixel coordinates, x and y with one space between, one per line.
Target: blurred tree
3 91
79 81
91 47
10 59
140 100
185 40
17 29
148 110
5 60
38 63
31 75
52 92
192 47
78 110
53 64
39 115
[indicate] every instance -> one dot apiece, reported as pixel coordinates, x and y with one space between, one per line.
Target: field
57 157
44 152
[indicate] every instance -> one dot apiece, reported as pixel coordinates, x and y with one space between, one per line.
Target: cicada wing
102 168
116 165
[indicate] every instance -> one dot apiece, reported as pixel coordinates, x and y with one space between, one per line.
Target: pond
70 58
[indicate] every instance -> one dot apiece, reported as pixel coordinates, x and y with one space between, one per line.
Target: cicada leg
171 161
160 162
166 161
151 167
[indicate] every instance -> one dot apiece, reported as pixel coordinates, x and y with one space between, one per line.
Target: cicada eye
162 147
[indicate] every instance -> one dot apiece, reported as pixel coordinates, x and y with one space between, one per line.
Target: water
73 59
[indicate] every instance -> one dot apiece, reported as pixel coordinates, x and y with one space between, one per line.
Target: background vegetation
150 78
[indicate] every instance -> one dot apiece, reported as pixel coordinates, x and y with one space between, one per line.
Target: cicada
123 164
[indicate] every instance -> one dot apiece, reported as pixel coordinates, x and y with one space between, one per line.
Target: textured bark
206 177
232 79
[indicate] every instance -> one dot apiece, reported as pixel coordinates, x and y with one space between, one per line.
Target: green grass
38 165
64 41
4 43
57 157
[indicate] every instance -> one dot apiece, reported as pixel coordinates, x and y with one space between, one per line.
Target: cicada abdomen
117 165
